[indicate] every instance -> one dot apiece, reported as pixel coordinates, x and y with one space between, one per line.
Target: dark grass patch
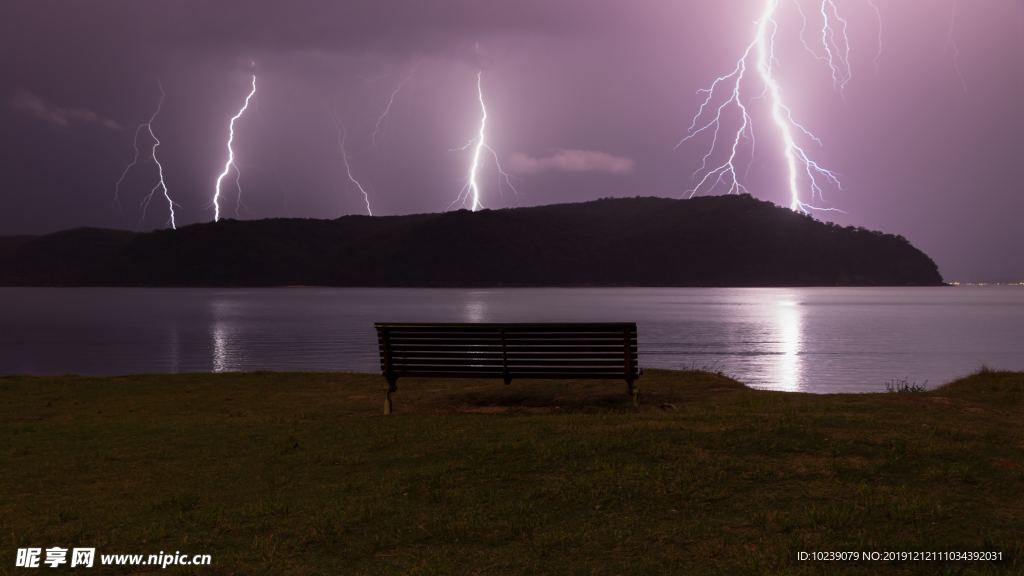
300 474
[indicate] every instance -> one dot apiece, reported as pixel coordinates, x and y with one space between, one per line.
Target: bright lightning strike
727 95
481 142
382 119
160 185
342 137
470 193
230 164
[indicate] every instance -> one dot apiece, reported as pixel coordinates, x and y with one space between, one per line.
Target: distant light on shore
955 283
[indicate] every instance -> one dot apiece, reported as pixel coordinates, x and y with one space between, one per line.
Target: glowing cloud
571 160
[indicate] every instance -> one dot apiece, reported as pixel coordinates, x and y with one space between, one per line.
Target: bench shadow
659 390
538 402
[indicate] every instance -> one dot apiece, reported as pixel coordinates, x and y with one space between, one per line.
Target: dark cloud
229 27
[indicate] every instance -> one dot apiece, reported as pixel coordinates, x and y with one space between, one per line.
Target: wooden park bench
508 351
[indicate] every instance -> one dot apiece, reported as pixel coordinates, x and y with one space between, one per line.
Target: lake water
798 339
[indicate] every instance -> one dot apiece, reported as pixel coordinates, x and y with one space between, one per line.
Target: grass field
300 474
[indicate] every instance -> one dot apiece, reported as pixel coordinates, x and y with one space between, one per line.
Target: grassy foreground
300 474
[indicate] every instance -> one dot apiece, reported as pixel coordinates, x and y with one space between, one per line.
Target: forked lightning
160 185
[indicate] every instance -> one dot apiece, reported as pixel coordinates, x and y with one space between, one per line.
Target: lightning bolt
230 164
382 119
342 137
953 47
238 198
727 95
836 42
481 143
878 51
470 193
135 160
160 185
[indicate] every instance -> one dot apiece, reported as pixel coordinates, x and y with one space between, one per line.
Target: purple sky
587 99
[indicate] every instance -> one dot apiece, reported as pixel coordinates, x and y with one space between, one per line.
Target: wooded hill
708 241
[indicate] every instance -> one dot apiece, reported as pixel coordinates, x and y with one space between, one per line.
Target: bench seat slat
453 361
511 351
579 341
604 363
395 339
442 374
613 362
399 342
436 354
433 329
561 370
552 326
518 375
540 355
427 352
486 372
510 330
497 343
497 339
618 373
561 352
567 335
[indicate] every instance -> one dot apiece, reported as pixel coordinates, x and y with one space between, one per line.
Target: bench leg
387 397
634 392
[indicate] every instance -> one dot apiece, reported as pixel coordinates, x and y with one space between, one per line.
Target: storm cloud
585 99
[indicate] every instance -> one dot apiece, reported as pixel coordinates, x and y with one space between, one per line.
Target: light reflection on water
475 309
221 353
220 334
788 328
797 339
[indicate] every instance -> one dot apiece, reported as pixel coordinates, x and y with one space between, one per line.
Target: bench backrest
509 351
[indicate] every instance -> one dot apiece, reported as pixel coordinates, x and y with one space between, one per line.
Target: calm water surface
800 339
